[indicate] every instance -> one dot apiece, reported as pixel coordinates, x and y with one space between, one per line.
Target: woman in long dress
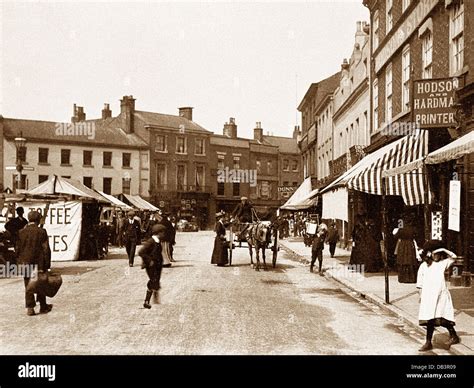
436 306
220 254
407 263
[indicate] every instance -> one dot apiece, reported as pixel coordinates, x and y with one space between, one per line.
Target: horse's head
262 232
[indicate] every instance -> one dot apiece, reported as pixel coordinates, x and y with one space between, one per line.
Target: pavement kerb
458 349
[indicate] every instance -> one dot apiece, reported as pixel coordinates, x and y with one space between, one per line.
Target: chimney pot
258 132
106 112
186 112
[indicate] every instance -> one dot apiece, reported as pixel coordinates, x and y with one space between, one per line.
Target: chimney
258 132
362 34
78 114
296 132
106 112
127 109
230 129
186 112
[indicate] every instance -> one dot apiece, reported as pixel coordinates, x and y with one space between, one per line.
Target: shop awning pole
385 238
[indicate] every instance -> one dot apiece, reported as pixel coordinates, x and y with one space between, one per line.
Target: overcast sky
252 61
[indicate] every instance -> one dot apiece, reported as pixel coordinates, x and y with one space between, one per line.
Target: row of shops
412 178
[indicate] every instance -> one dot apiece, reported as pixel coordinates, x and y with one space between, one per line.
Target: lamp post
20 145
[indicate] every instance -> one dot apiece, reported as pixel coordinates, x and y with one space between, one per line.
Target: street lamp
20 145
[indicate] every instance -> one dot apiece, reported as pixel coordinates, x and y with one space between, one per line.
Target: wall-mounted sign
433 101
404 31
286 189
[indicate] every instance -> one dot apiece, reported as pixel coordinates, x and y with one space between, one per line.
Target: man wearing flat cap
131 236
33 249
151 254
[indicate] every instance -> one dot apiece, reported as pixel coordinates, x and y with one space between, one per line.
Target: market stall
70 214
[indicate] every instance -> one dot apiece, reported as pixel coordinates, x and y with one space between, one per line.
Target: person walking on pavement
33 250
152 261
131 236
405 251
317 248
436 306
219 253
14 225
332 238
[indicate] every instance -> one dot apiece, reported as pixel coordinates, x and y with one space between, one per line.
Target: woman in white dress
436 306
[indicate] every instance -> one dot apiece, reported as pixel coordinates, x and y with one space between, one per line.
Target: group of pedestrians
425 267
32 248
132 235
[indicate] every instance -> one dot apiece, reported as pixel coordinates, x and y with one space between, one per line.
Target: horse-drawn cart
257 234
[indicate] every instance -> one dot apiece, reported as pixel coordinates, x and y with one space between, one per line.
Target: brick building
98 153
290 173
229 153
264 162
317 128
179 173
414 41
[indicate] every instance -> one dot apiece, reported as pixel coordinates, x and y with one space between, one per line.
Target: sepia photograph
249 178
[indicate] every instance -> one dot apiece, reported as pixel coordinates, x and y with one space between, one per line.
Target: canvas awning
115 201
366 175
454 150
139 202
303 198
57 185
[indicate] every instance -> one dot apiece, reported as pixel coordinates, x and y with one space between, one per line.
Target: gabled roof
286 145
168 121
106 132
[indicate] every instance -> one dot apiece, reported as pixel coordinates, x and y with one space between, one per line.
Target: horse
258 235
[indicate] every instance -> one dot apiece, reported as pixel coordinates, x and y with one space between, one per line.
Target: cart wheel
275 249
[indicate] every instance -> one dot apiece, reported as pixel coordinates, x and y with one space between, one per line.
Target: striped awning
366 176
454 150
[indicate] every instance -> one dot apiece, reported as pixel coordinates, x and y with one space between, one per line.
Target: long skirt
166 252
407 265
219 253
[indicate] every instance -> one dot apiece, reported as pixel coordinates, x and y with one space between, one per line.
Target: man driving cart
244 214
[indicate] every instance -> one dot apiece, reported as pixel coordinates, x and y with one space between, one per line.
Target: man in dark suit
16 224
33 249
131 236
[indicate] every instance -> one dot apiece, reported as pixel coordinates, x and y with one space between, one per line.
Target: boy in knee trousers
153 263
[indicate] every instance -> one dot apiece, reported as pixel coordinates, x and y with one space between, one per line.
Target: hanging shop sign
433 102
454 206
437 225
